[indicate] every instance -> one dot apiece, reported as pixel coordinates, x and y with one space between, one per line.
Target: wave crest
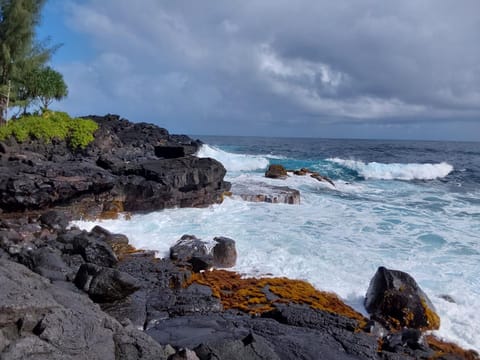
234 162
396 171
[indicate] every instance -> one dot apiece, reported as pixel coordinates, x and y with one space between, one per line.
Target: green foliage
19 50
49 126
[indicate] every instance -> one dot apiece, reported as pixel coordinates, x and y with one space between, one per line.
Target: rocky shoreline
73 294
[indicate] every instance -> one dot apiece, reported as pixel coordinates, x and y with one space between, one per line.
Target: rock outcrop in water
276 171
262 192
128 167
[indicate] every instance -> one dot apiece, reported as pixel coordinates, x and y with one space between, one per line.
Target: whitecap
396 171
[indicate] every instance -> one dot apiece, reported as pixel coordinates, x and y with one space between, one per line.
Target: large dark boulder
92 248
396 301
224 252
194 251
187 247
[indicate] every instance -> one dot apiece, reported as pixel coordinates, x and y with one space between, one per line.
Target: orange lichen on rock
433 319
122 250
112 210
443 349
250 294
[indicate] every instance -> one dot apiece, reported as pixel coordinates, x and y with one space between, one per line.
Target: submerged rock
395 300
313 174
262 192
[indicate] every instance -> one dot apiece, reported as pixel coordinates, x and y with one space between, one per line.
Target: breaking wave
234 162
395 171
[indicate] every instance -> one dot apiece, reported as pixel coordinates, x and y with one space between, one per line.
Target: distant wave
234 162
374 170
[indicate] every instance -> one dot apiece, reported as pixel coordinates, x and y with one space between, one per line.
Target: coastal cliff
128 167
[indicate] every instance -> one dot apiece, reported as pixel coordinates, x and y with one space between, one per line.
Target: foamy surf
395 171
234 162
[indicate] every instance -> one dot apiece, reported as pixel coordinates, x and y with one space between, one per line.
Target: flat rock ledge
72 294
262 192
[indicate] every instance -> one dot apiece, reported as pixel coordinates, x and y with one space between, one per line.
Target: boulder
187 247
396 301
54 219
93 249
104 284
276 171
224 252
111 238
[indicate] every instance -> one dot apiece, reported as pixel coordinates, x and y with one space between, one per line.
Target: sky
381 69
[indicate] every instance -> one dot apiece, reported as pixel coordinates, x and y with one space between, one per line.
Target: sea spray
234 162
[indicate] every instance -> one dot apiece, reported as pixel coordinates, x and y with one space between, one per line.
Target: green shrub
49 126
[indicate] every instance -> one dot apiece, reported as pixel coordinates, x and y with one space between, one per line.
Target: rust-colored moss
250 294
443 348
122 250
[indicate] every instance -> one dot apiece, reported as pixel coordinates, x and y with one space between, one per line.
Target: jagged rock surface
51 322
129 166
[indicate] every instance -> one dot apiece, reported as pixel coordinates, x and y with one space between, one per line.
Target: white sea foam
234 162
375 170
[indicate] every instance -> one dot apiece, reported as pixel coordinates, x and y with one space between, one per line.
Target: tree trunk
3 109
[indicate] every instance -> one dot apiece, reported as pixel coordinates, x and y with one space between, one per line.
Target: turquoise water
411 206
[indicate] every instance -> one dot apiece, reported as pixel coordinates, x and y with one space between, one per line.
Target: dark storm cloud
279 66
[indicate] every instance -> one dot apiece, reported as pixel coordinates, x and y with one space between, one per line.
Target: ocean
406 205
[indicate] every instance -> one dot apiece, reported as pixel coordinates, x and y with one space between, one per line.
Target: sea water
410 206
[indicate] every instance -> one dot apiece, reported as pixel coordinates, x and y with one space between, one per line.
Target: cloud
225 67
